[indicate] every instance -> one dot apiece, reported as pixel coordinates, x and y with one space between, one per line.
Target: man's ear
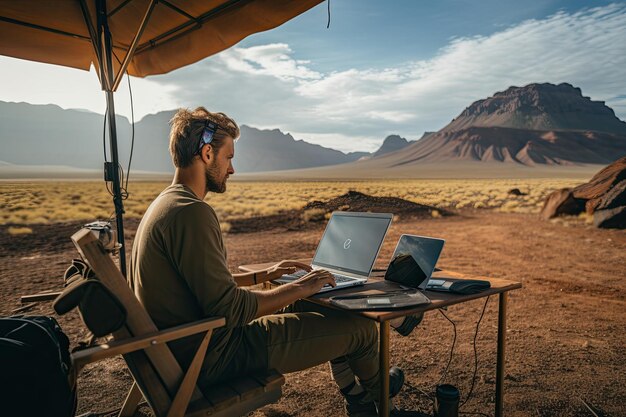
207 153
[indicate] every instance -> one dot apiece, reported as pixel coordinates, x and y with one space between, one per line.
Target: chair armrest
42 296
121 347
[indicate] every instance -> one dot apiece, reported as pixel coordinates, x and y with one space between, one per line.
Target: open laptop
348 248
425 251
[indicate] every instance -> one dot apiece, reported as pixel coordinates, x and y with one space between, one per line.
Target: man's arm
273 272
271 301
197 252
246 279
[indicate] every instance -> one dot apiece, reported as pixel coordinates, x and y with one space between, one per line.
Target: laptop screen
351 242
425 251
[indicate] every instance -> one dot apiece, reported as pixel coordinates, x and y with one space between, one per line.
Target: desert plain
566 347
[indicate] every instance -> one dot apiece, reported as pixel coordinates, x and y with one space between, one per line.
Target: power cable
328 24
445 372
125 176
104 134
475 354
104 147
132 138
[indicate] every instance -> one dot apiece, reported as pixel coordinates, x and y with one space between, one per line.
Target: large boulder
615 197
611 209
600 184
604 196
561 202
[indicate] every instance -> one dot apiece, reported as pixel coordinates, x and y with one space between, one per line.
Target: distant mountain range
539 124
272 150
44 135
530 126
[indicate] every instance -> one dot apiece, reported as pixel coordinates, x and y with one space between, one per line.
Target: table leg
500 355
383 355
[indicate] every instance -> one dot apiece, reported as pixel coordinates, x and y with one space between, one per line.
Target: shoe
355 408
409 323
361 409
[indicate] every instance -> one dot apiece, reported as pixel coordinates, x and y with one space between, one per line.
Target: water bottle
446 401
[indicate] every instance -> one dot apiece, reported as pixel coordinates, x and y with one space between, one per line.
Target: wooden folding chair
158 377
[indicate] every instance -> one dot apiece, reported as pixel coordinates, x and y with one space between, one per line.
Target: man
179 272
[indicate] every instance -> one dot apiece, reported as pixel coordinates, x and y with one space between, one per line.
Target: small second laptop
425 252
348 248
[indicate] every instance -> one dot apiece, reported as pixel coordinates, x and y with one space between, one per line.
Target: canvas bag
99 308
36 376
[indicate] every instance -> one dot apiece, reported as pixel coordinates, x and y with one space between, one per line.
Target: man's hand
272 300
312 282
282 268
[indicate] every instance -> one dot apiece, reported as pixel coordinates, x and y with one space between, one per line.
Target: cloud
272 59
341 142
266 86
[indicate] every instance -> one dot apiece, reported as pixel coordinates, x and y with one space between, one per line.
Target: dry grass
19 231
23 203
314 215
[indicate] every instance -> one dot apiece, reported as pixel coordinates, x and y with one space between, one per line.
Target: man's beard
211 183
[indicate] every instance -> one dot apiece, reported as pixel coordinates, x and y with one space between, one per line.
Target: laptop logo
346 244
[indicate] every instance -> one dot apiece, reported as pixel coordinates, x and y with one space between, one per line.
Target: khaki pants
304 335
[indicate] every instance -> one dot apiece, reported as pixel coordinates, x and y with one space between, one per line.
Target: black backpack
35 368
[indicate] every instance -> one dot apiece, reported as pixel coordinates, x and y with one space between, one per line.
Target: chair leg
132 401
187 386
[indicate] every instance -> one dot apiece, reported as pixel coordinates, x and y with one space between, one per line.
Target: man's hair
186 131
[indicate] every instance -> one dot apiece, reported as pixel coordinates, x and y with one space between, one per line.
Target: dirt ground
566 327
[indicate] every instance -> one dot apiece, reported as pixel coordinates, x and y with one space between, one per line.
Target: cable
132 138
110 219
445 372
123 192
104 134
328 24
104 147
124 179
469 395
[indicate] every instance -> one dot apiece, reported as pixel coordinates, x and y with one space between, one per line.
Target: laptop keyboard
301 273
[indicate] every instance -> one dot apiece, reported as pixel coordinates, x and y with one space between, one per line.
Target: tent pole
117 192
108 84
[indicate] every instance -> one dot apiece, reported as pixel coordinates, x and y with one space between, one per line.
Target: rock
516 191
561 202
614 218
604 196
613 198
600 184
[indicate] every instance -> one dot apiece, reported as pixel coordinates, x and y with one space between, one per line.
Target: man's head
203 138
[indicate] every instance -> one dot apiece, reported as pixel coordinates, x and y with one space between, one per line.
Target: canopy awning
176 32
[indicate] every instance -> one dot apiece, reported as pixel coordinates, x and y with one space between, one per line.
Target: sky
383 67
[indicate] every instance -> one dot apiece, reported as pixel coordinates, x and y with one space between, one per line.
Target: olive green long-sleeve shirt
180 274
